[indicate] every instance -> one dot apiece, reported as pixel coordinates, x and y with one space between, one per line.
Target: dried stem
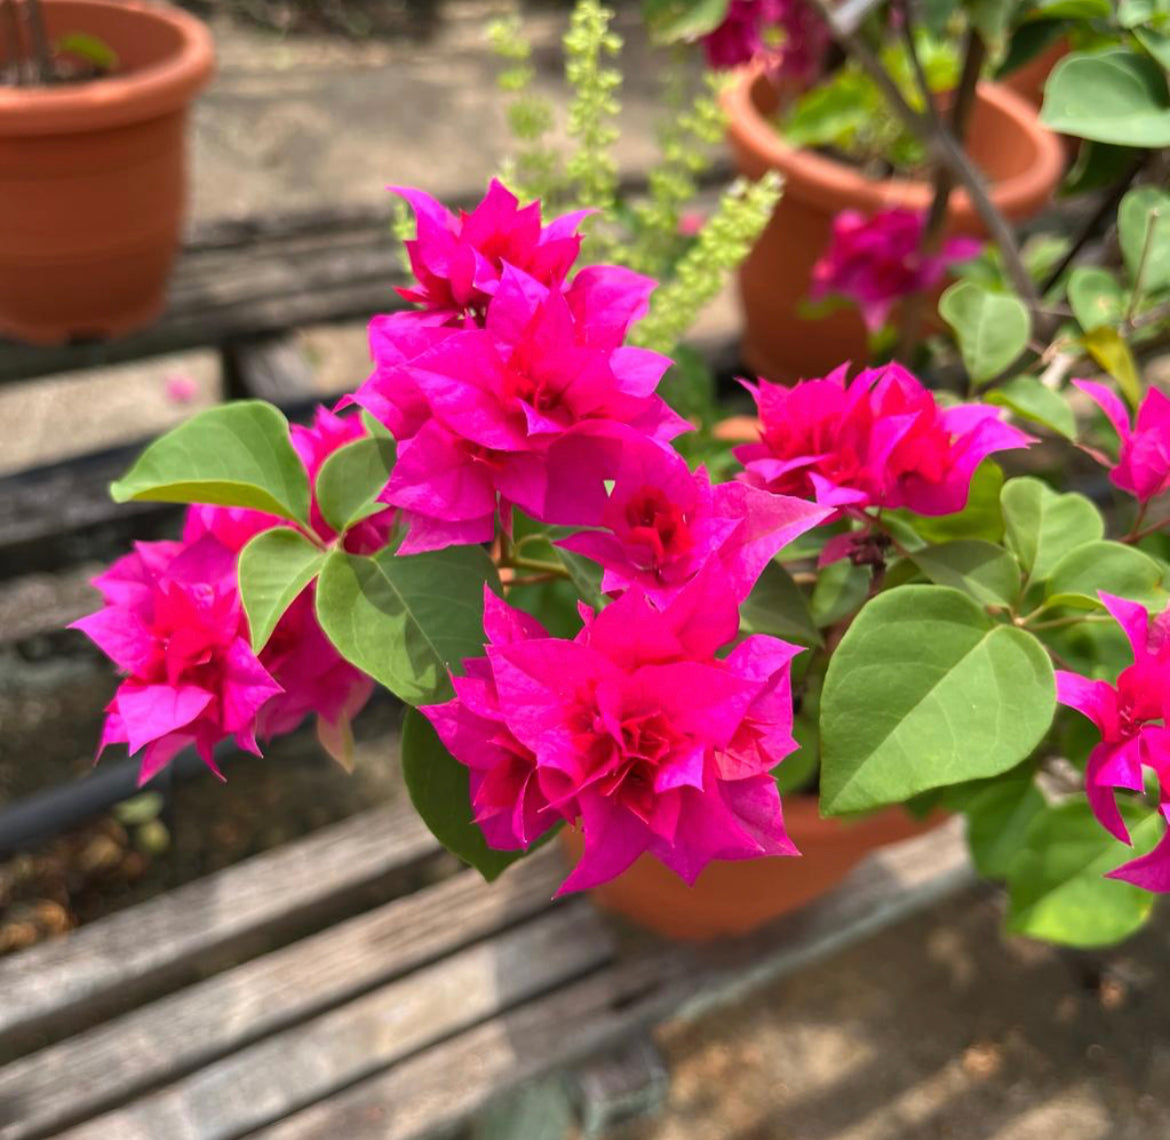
13 41
1140 273
42 53
941 147
944 177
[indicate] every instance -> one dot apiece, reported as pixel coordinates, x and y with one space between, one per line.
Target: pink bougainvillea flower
180 388
1131 717
875 261
1143 467
635 729
879 440
526 410
314 679
457 260
662 525
174 625
786 35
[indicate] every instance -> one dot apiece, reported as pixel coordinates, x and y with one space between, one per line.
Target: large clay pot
733 898
1022 160
92 175
1029 79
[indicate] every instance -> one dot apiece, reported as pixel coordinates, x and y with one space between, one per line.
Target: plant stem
13 41
42 54
944 177
942 147
1136 294
1104 210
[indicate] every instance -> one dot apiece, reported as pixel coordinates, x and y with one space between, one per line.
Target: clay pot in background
733 898
1022 159
93 175
1029 79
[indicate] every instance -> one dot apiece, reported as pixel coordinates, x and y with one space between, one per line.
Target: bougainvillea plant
497 527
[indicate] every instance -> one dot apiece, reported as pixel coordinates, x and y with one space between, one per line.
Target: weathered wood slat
138 954
289 1070
62 513
270 368
443 1087
173 1036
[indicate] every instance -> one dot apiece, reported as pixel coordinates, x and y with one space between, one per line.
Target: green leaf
671 20
1144 215
998 817
1157 43
986 572
273 569
585 575
991 18
406 621
89 48
1113 96
1043 525
992 328
777 606
924 691
233 455
1098 165
1057 886
1109 566
936 14
352 478
840 589
1031 400
1109 349
1069 10
439 789
1096 297
980 518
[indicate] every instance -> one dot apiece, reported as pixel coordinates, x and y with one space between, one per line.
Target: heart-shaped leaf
992 328
273 569
1113 96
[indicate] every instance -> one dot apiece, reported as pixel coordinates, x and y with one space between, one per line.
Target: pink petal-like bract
635 731
876 261
878 440
1143 465
1131 717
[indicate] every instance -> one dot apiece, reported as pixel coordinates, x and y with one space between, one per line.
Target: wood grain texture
173 1036
292 1069
430 1094
139 953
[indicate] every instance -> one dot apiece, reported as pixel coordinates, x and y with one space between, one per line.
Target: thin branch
942 147
42 53
13 40
1104 210
944 177
1139 275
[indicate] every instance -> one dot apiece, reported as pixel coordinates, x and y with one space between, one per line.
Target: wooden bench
334 988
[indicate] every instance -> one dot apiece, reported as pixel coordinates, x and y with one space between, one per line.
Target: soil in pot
734 898
92 175
1022 160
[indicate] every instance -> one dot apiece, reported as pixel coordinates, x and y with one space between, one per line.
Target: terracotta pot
1029 79
733 898
1021 158
92 175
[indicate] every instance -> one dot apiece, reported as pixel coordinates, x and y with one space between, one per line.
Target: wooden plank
60 514
289 1070
140 953
175 1035
271 367
419 1099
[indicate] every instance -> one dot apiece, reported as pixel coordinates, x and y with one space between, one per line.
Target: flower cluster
634 728
523 395
878 440
1132 718
173 623
1143 467
787 35
876 261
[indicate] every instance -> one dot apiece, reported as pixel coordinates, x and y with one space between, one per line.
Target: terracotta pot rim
816 176
119 100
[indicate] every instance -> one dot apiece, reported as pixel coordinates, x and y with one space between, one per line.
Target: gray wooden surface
138 953
398 1024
